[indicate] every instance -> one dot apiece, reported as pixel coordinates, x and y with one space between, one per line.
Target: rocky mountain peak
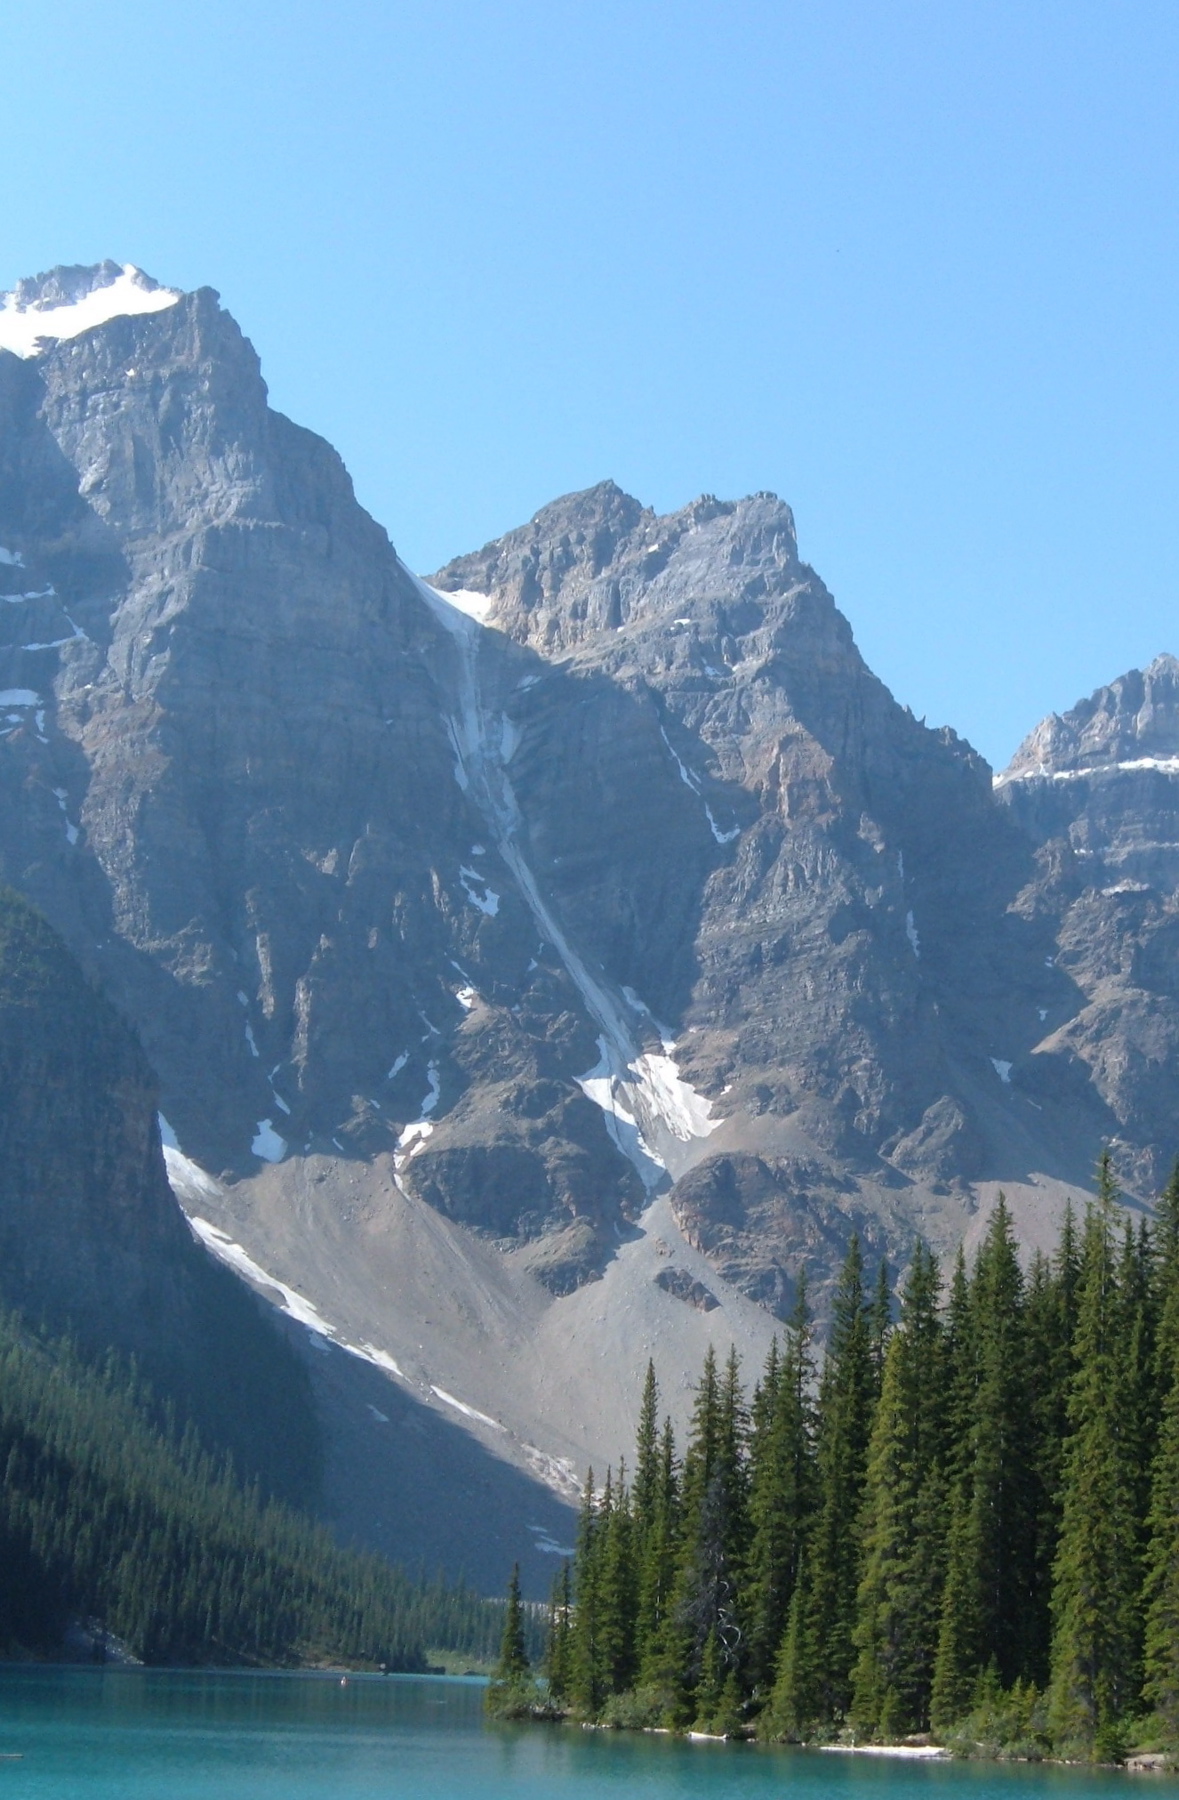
596 562
1134 719
72 298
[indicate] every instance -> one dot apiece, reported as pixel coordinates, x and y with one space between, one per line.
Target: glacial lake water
116 1734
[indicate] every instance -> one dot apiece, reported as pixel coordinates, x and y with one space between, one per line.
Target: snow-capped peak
66 302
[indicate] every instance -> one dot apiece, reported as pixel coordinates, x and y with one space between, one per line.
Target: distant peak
1134 722
64 302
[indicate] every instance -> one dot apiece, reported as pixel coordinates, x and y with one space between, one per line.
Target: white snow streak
380 1359
693 782
488 900
12 559
295 1305
24 326
912 935
468 1412
652 1114
71 830
1166 765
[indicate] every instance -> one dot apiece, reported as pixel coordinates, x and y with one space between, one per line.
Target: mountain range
543 963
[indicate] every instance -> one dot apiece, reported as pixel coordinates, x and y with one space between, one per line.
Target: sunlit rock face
598 866
1097 791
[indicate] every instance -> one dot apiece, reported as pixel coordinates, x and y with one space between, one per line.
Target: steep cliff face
588 911
92 1242
1097 791
810 888
225 772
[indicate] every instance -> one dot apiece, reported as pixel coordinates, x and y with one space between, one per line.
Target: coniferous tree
618 1588
781 1494
655 1637
793 1708
1161 1656
705 1603
1096 1600
513 1664
833 1555
587 1662
880 1323
903 1521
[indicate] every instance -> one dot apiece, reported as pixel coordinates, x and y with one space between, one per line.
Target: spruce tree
714 1526
1096 1600
656 1641
794 1704
509 1692
903 1520
513 1666
781 1495
617 1589
1161 1594
833 1559
587 1669
1161 1658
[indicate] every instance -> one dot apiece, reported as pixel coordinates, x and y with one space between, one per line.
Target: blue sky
912 266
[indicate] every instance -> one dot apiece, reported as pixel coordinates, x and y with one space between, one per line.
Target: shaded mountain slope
593 896
92 1242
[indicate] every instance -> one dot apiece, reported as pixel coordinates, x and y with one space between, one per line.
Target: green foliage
1096 1600
903 1522
105 1517
973 1526
511 1692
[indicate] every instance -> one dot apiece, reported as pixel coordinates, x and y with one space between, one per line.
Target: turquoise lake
152 1735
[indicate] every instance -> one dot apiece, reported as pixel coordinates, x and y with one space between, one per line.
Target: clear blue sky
911 265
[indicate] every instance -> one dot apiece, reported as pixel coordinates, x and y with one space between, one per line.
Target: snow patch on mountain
692 781
295 1305
1166 765
266 1142
654 1117
27 325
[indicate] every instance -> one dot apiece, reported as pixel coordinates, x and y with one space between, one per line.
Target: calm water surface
150 1735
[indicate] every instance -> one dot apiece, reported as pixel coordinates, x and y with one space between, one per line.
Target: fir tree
617 1588
587 1664
558 1644
1161 1596
713 1533
795 1703
1096 1598
903 1522
781 1494
833 1560
655 1639
513 1665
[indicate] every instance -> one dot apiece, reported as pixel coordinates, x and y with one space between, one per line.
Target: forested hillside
92 1241
971 1524
106 1518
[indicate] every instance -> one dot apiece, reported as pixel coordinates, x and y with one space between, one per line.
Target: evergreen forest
115 1519
966 1522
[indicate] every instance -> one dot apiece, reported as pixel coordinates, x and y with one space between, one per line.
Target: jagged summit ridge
1132 722
73 298
599 561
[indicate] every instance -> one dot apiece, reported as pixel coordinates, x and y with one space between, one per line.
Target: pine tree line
967 1522
106 1517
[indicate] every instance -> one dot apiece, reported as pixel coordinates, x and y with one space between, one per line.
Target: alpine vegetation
128 1526
966 1523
